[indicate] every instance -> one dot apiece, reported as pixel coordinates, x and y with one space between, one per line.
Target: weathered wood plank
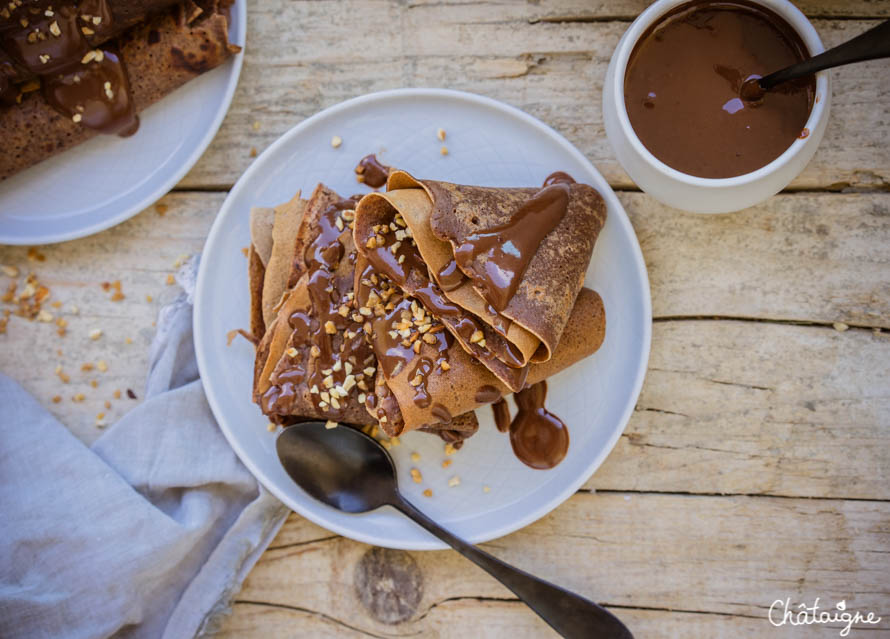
554 70
810 258
487 619
703 556
751 407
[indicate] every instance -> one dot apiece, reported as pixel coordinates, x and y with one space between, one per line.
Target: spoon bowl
346 469
341 467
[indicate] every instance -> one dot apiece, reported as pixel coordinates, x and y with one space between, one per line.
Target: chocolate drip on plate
558 177
539 438
371 171
501 411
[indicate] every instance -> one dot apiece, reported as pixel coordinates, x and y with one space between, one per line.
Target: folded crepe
107 87
417 385
513 258
549 234
314 361
103 20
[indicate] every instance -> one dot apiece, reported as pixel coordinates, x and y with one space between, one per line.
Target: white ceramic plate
107 179
490 144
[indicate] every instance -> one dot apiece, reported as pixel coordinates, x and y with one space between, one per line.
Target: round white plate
489 143
108 179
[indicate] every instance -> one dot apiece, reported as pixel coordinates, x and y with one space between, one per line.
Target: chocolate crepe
154 59
464 385
383 237
524 251
314 360
103 20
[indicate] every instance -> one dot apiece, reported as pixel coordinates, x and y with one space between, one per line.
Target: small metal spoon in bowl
350 471
871 45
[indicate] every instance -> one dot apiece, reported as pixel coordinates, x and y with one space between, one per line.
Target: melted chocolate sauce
330 350
497 258
450 277
684 81
501 411
401 262
558 177
441 413
539 438
487 394
53 41
97 95
371 171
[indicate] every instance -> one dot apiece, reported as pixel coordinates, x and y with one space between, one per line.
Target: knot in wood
389 584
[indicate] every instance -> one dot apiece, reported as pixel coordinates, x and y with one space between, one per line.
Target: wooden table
757 464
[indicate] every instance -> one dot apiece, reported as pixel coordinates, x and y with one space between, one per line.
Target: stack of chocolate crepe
70 69
408 309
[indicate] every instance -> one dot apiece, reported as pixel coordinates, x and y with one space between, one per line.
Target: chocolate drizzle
441 413
329 354
371 171
558 177
501 411
393 253
53 41
487 394
497 258
96 94
539 438
450 277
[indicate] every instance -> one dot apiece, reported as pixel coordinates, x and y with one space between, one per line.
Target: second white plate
489 143
108 179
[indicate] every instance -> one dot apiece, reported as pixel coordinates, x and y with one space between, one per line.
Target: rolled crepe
115 17
160 56
383 238
415 207
466 385
284 374
553 229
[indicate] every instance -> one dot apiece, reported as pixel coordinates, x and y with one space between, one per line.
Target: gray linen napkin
146 534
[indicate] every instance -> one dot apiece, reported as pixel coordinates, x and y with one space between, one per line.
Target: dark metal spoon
871 45
349 470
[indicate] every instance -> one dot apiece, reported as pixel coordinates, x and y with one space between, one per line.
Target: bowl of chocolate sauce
674 110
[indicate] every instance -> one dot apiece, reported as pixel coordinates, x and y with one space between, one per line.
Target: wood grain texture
547 58
756 465
142 253
709 566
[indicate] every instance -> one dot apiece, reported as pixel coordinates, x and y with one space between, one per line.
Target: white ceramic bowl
708 195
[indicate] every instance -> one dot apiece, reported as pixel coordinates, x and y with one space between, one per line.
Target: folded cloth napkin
147 533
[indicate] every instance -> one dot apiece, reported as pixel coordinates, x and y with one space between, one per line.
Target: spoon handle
871 45
569 614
